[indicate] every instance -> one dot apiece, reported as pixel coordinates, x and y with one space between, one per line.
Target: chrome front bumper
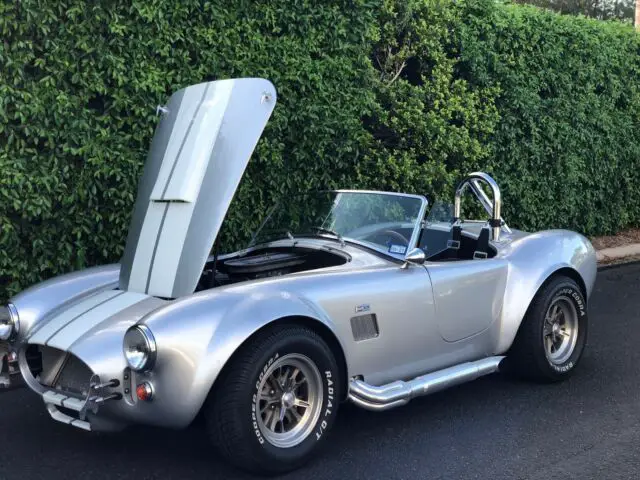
82 406
70 390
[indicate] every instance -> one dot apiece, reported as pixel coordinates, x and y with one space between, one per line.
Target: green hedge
567 147
79 85
385 94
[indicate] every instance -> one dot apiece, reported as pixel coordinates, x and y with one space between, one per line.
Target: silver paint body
430 317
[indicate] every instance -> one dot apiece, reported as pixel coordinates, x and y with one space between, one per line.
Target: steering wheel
391 233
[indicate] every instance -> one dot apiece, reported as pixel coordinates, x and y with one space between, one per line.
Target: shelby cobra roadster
362 296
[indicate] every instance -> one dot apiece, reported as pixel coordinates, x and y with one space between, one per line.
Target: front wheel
275 402
553 333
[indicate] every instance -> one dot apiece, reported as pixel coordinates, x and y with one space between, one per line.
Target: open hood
198 155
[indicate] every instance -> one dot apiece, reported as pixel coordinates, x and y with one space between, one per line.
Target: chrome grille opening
64 372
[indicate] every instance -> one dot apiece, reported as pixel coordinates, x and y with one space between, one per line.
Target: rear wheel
553 333
276 401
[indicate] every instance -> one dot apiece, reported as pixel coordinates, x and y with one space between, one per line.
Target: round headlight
139 348
9 322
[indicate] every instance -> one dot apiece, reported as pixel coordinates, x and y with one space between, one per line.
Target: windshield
383 221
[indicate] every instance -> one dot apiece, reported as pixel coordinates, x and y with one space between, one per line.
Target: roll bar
473 180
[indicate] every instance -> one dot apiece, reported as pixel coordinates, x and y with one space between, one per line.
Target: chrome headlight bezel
9 323
139 348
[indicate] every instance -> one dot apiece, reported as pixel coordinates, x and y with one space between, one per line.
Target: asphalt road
493 428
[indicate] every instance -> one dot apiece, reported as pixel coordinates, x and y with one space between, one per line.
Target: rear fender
532 261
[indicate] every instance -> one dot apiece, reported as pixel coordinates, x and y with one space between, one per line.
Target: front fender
197 336
45 298
532 260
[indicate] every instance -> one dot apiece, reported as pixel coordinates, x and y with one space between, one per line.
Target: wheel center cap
555 328
288 399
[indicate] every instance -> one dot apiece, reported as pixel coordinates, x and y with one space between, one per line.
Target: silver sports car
365 296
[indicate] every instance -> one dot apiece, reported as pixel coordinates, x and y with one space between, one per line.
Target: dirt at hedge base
625 237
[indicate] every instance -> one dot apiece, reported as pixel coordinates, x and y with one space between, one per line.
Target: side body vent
364 327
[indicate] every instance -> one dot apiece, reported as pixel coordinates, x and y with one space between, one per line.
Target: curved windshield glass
380 220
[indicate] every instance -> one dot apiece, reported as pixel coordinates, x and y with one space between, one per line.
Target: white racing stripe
190 104
85 322
59 322
145 249
213 131
191 163
170 242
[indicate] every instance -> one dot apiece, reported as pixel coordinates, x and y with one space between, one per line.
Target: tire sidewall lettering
329 401
576 297
254 398
328 408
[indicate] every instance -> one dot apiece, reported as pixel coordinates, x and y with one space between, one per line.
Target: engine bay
264 263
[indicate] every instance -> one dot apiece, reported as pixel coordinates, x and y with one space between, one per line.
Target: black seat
482 249
433 241
456 238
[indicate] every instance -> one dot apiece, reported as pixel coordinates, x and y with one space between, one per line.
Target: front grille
75 377
64 372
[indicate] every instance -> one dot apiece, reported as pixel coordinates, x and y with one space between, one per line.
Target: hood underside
198 155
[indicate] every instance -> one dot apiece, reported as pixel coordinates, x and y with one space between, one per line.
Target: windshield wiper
330 232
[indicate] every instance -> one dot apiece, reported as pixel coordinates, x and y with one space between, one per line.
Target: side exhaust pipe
399 393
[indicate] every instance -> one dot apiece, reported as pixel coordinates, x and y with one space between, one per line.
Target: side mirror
415 257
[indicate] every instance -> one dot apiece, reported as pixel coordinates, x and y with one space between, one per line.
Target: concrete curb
617 253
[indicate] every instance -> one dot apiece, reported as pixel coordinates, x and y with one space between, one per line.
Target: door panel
402 302
468 295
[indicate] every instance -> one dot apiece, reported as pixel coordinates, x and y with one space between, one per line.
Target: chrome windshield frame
413 241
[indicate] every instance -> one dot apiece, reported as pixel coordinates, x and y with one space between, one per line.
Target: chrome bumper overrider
400 392
89 404
10 377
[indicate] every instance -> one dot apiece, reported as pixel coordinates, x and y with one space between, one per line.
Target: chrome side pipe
399 393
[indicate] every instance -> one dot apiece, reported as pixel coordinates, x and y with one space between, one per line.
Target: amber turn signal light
144 391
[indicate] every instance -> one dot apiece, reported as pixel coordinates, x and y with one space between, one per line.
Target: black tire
528 357
231 414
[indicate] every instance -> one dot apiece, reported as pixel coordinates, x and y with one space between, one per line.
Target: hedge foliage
385 94
567 147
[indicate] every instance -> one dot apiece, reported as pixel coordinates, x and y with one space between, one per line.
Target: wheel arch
327 335
565 271
518 304
520 358
569 272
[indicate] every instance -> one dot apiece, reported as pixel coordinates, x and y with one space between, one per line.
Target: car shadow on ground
357 437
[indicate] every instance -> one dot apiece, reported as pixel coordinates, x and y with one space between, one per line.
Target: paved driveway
588 427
